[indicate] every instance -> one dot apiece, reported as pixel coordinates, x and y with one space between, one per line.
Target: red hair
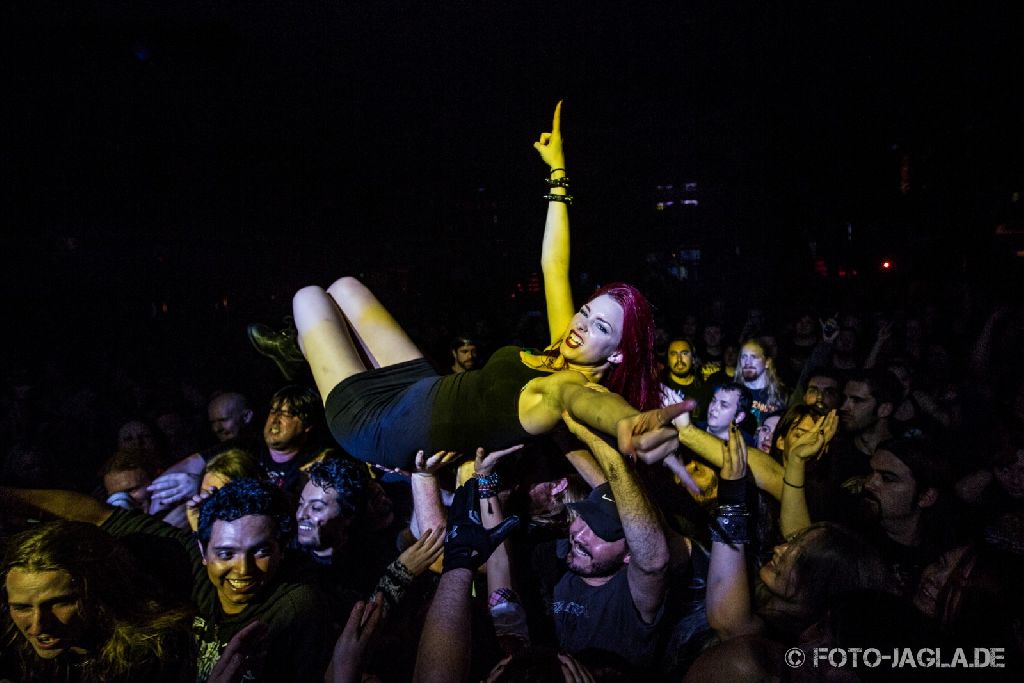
635 378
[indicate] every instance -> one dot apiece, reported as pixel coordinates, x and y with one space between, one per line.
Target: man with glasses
292 435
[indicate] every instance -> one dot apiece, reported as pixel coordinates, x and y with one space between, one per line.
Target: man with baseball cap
612 596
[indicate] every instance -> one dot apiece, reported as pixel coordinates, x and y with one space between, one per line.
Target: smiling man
683 379
241 541
238 573
612 595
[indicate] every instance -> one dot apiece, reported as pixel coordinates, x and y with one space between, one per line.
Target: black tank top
481 408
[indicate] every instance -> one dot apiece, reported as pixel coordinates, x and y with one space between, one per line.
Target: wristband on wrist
730 527
558 182
487 484
792 485
564 198
554 170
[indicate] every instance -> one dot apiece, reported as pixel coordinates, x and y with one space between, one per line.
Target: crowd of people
630 503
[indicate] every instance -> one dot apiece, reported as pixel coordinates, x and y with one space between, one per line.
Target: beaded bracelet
558 182
555 170
487 485
564 198
486 479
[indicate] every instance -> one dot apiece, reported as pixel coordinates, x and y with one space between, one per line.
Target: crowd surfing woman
388 410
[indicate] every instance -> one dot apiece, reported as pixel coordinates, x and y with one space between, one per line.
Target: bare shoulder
540 406
551 383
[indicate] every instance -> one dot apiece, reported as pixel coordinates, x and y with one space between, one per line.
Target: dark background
173 170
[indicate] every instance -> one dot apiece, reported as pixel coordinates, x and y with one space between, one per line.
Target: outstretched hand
647 435
418 557
486 462
812 444
428 466
170 489
193 505
549 146
468 544
347 657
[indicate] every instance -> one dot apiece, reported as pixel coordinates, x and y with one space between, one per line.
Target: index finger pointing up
556 121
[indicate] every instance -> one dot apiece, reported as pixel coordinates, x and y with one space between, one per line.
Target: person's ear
615 358
884 409
247 416
740 417
928 498
780 442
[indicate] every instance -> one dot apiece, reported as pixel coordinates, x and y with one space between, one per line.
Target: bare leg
324 319
324 339
381 337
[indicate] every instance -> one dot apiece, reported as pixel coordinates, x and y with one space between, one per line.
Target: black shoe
280 346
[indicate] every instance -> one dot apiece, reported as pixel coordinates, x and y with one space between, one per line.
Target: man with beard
909 505
612 595
463 355
757 372
834 482
681 379
351 559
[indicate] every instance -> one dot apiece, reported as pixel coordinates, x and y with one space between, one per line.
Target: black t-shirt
697 390
288 475
481 407
300 638
603 618
834 483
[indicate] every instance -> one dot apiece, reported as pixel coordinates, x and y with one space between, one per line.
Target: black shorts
383 415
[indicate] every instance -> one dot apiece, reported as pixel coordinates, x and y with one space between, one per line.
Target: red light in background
886 265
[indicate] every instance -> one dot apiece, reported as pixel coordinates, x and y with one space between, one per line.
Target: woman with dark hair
76 608
386 410
794 589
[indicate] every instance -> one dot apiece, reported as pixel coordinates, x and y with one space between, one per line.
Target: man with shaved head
230 415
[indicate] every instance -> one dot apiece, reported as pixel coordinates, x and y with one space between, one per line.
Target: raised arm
58 503
554 257
445 640
426 492
793 513
499 571
767 473
647 571
728 601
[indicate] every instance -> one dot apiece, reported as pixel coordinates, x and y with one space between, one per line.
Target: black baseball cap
598 510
